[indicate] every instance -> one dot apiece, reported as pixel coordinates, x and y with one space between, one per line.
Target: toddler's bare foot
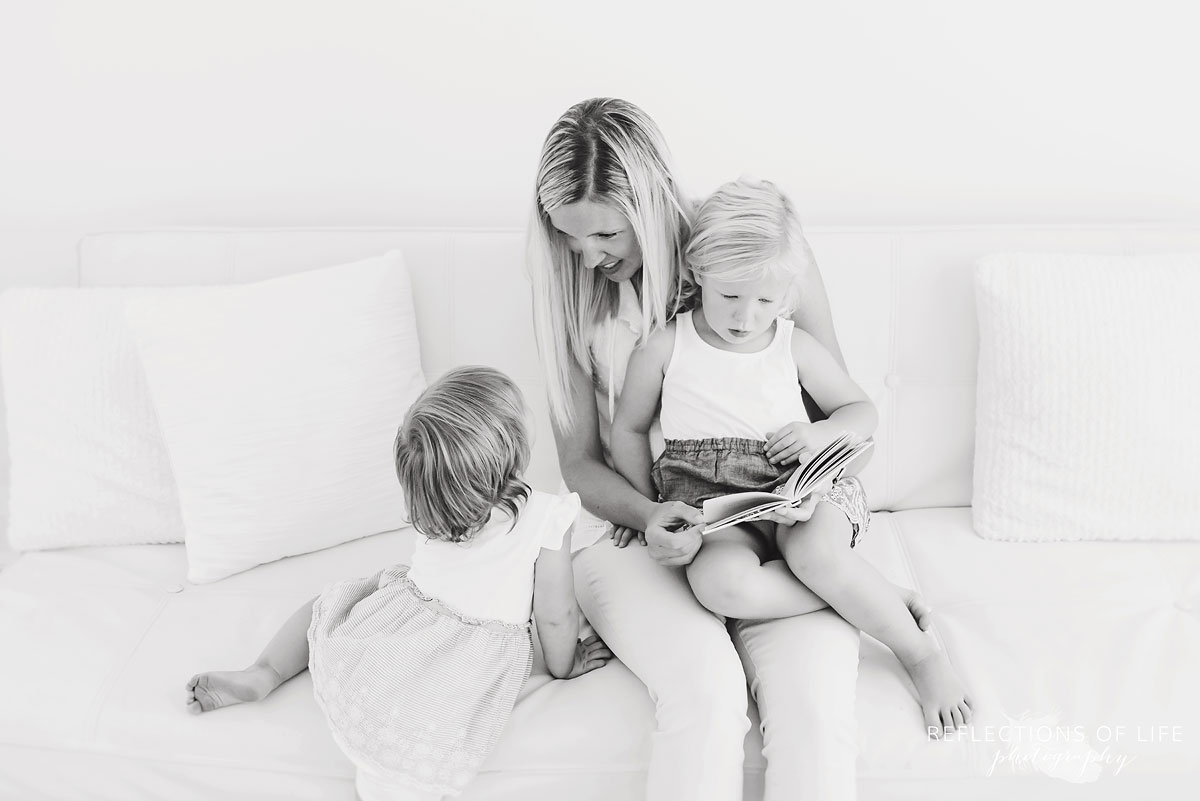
944 703
921 611
218 688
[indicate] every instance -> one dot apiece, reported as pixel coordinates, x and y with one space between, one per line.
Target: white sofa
1076 638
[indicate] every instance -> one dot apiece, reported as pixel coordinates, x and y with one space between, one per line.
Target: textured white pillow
88 465
279 402
1089 384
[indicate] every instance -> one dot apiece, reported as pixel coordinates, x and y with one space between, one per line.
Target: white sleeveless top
708 392
491 577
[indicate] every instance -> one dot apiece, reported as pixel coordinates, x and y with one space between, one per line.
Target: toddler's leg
817 553
285 656
730 578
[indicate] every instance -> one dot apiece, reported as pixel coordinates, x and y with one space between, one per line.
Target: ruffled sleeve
560 518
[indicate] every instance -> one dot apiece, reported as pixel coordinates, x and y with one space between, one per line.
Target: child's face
743 312
601 236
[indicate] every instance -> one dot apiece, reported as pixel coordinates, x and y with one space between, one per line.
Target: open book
826 467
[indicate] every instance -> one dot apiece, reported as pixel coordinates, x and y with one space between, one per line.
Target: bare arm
609 496
581 458
636 410
848 408
814 315
824 377
556 615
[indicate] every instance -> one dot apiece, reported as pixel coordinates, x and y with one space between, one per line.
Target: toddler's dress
417 668
718 407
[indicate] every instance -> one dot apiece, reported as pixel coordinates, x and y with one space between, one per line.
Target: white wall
127 114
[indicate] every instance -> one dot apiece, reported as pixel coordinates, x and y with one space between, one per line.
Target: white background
128 115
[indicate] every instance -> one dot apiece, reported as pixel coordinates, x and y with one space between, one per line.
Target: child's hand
791 515
796 442
589 655
623 535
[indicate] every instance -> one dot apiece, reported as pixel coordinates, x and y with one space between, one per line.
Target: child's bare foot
944 703
921 611
218 688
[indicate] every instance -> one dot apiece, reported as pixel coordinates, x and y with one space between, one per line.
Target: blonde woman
606 242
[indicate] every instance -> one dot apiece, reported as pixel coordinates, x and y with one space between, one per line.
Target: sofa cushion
1084 418
1075 647
279 402
87 461
99 643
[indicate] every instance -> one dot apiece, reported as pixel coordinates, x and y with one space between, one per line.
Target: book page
826 466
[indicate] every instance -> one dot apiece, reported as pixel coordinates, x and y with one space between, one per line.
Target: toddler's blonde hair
461 452
746 230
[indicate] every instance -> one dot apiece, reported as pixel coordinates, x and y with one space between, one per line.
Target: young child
417 668
728 375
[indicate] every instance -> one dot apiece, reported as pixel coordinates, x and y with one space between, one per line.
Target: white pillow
88 464
279 403
1089 379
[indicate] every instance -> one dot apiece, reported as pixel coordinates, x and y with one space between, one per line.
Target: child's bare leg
285 656
817 553
729 577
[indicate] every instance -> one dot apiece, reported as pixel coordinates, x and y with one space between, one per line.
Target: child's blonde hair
746 230
461 451
606 151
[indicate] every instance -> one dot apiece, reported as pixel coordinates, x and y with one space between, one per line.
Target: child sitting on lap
417 668
728 376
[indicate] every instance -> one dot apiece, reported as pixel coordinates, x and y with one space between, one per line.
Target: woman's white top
491 576
708 392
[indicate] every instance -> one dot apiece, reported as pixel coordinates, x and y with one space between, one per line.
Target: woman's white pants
802 671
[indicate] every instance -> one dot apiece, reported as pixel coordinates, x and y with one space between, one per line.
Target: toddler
728 376
417 668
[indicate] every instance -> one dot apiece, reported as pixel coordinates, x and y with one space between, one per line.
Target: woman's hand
589 655
673 533
623 535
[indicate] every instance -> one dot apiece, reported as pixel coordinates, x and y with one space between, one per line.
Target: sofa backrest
902 300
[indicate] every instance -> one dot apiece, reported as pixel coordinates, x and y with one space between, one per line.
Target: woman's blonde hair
461 451
746 230
605 151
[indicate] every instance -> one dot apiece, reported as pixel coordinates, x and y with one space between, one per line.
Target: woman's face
601 236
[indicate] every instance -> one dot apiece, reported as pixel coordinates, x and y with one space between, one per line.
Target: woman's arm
814 315
609 496
636 409
556 615
581 458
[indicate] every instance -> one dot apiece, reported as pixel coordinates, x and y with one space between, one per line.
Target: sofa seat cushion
1067 649
99 642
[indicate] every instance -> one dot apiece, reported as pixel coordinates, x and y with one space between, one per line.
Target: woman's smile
601 236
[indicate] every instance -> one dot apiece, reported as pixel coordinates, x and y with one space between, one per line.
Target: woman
606 238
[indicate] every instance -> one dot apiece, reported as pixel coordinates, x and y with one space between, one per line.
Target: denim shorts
695 470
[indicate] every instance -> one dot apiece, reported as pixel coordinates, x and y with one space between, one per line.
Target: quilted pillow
279 402
88 464
1089 376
